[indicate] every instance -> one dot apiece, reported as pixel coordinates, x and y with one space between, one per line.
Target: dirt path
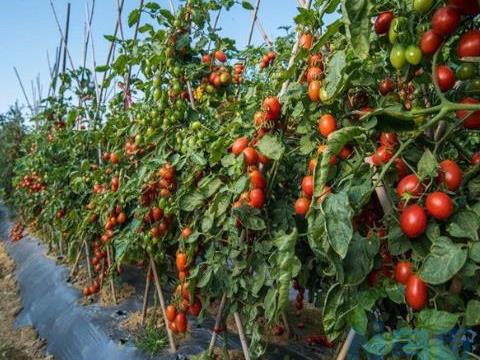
15 344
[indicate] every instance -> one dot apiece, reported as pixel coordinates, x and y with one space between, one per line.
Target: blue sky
28 30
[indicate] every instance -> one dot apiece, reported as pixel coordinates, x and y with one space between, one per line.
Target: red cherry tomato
345 152
257 198
402 168
471 120
307 185
416 292
388 139
469 44
439 205
327 124
410 185
475 158
181 322
382 155
403 270
450 174
430 42
239 145
413 221
445 20
257 180
171 312
301 206
466 7
382 22
445 77
250 156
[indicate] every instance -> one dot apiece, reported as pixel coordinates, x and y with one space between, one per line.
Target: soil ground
15 344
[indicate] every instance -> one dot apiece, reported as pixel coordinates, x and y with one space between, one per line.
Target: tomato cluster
16 232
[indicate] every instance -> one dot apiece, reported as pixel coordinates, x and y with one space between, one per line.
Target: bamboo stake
241 334
65 50
264 33
87 254
254 20
162 304
77 260
112 285
294 53
218 320
145 294
23 89
346 345
286 325
63 38
212 28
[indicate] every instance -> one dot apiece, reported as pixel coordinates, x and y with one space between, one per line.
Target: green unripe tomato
157 81
191 142
169 52
150 132
196 125
397 57
413 54
473 86
157 94
466 71
177 71
422 6
210 89
138 139
394 30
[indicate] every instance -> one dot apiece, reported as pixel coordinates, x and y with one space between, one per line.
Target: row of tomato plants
351 171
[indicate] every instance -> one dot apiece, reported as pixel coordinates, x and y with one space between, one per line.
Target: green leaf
209 185
427 166
380 344
472 313
338 214
444 261
191 201
271 146
464 224
437 350
332 323
397 242
102 68
334 78
357 24
331 31
254 223
247 5
395 291
359 260
437 322
474 252
358 320
133 17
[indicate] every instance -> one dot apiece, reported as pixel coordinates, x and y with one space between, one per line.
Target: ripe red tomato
307 185
262 159
196 307
181 322
301 206
439 205
471 121
173 327
206 58
469 44
345 152
257 198
314 90
157 214
181 261
239 145
114 158
316 60
430 42
403 270
382 22
272 107
402 168
413 221
314 73
171 312
475 158
445 77
386 86
257 180
220 56
450 174
250 156
466 7
382 155
388 139
445 20
306 41
410 185
121 218
416 292
186 232
327 124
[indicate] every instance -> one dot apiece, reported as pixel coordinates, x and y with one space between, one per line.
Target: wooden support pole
87 255
241 335
173 348
145 294
23 89
346 345
218 321
112 285
77 260
254 20
65 50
